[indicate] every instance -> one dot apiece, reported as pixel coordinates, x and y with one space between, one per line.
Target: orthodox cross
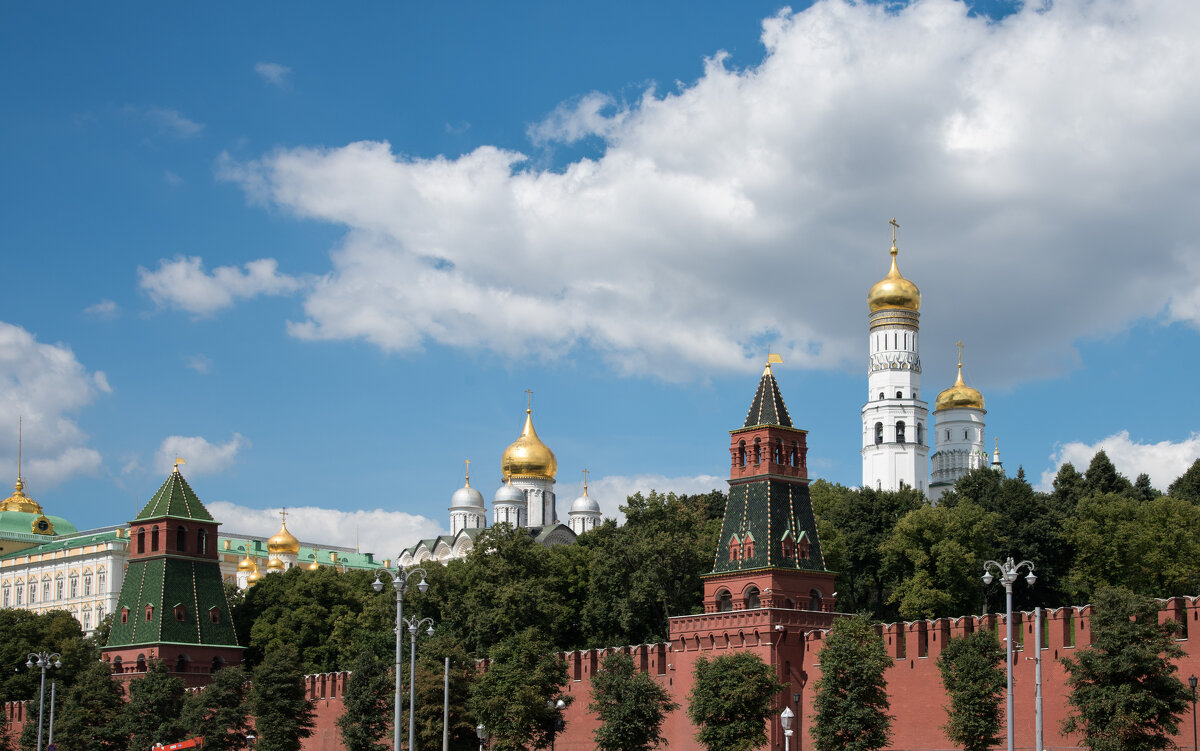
894 228
960 345
585 474
528 399
283 514
468 463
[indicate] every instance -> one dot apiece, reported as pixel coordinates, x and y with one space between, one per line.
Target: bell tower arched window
181 538
900 431
878 433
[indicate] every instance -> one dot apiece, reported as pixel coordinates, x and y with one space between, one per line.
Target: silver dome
509 494
466 496
584 503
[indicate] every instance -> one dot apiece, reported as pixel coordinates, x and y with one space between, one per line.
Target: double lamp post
399 579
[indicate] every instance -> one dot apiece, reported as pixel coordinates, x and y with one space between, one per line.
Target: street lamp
413 627
1008 572
399 581
250 739
785 719
1192 683
45 661
481 734
558 707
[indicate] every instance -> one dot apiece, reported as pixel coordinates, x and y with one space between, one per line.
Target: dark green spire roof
768 407
175 499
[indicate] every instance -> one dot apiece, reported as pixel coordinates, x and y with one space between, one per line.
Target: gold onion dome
246 564
254 577
959 396
274 565
894 291
528 456
314 565
283 542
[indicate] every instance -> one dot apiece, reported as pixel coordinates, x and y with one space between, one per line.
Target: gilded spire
18 501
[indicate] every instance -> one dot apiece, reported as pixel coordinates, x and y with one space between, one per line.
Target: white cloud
184 284
384 533
201 457
273 73
1163 461
1042 169
612 491
43 384
167 121
172 179
199 363
103 309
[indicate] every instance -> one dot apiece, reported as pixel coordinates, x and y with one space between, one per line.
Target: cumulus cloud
184 284
44 385
1163 461
1041 167
201 456
273 73
382 532
612 491
103 309
167 121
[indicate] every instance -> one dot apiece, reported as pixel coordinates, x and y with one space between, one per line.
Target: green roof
161 583
175 499
61 542
258 549
768 407
18 525
766 509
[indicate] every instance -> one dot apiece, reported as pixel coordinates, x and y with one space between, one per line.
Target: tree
630 705
731 699
90 716
430 685
219 712
1124 693
369 698
851 702
152 713
1187 486
1102 477
972 670
24 632
514 698
282 713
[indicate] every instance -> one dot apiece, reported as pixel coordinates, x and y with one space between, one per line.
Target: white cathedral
525 499
895 419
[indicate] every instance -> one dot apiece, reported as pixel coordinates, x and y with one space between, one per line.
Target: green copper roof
162 583
59 542
768 407
765 510
175 499
18 525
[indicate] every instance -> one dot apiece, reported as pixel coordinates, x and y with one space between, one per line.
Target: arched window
73 585
201 541
20 593
814 599
181 664
141 663
45 588
217 664
116 665
899 394
920 437
149 612
5 594
741 453
32 591
180 613
752 598
966 436
724 601
141 541
87 618
757 451
154 538
101 580
778 451
59 587
900 432
181 539
87 583
795 454
124 615
878 433
880 396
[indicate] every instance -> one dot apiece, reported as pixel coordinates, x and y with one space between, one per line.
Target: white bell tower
895 419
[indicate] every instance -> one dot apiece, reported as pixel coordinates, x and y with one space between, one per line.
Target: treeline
898 556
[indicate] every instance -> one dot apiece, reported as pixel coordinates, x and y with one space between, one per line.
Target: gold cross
894 228
528 399
585 474
468 463
960 353
283 514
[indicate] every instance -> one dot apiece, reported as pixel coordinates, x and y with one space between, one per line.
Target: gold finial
997 444
772 358
960 346
283 514
20 421
528 400
585 474
178 461
468 463
895 227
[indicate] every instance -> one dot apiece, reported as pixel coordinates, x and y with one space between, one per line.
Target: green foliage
972 670
514 697
934 555
25 632
631 707
1187 486
731 699
1150 547
1068 489
283 715
152 713
219 712
90 716
1124 693
431 654
851 702
1102 477
369 700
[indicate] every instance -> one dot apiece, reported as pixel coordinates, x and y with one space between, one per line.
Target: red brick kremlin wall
791 640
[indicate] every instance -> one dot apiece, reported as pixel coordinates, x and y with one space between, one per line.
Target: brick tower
172 605
768 554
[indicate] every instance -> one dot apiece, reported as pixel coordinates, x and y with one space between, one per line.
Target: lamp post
1192 683
558 707
481 734
785 719
1008 572
399 581
45 661
250 739
414 626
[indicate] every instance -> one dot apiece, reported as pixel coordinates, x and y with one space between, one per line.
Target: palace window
87 583
74 585
5 593
87 619
100 581
32 592
58 587
46 589
20 593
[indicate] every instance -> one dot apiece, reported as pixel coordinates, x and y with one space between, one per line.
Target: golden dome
18 501
246 564
314 565
528 456
284 542
254 578
894 291
274 565
959 396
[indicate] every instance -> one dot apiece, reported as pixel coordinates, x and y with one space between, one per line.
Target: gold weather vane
178 461
895 227
772 359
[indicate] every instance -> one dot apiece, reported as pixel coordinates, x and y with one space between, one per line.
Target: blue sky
321 253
